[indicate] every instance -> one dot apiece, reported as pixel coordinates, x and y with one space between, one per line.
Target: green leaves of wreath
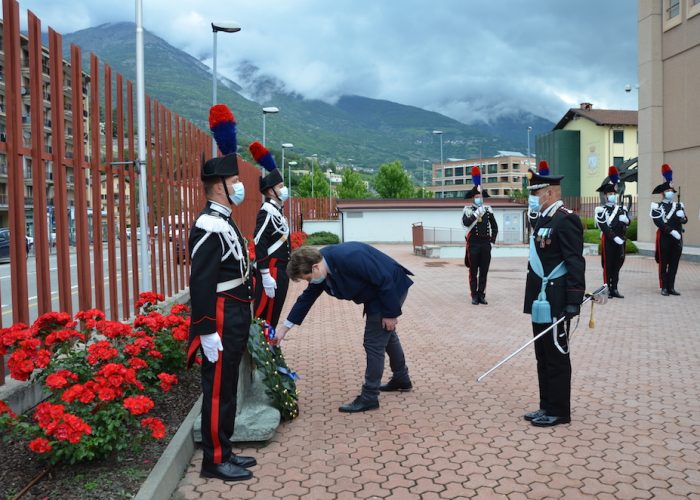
279 380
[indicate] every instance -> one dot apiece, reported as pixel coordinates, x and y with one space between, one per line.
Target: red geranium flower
60 379
155 425
63 336
137 363
40 445
179 309
101 351
10 336
4 408
91 317
149 298
138 405
167 381
113 329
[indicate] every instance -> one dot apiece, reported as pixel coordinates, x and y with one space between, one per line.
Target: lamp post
423 178
268 110
285 145
313 165
227 27
291 164
442 165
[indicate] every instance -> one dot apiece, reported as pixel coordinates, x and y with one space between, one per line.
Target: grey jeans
378 341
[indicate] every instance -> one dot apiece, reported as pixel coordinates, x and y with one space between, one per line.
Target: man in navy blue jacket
361 273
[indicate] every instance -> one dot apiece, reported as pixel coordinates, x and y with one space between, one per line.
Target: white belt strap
276 244
228 285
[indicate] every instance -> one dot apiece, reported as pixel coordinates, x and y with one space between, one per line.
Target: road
6 284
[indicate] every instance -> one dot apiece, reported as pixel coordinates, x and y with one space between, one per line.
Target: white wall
394 226
314 226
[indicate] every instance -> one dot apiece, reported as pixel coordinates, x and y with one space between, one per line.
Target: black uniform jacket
218 253
484 230
563 242
615 227
276 227
665 216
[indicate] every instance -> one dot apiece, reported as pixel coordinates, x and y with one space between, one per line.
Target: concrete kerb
168 471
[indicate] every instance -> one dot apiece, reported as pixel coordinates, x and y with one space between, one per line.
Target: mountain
369 131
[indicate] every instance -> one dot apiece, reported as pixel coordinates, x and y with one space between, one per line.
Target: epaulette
212 223
654 205
565 210
600 213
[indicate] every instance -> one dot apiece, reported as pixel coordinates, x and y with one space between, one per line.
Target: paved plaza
635 429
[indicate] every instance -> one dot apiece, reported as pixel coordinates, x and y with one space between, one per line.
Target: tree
421 192
352 186
319 188
392 181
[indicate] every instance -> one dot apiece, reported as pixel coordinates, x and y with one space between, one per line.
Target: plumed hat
610 183
264 158
222 124
476 180
667 173
221 166
541 178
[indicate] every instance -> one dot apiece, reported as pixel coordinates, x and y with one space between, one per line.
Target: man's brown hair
301 261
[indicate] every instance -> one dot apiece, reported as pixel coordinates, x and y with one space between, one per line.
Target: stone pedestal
256 418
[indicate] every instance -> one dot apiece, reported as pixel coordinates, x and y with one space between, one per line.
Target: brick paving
635 430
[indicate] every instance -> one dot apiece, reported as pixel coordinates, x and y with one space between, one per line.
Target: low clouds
467 60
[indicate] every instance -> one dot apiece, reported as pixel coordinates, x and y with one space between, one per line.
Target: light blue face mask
612 198
283 194
533 203
478 202
668 195
238 193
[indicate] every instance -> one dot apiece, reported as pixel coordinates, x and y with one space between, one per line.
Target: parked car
5 244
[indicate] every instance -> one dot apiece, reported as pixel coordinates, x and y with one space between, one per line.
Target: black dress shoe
534 414
482 300
475 301
673 291
225 471
360 404
396 385
549 421
242 461
615 293
664 292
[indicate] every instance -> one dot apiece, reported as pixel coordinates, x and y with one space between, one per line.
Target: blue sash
541 310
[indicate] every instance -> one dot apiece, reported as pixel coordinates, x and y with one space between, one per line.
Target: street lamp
313 164
291 164
226 27
423 177
268 110
285 145
529 129
442 166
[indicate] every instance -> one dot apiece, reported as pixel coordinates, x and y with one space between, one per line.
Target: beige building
601 138
669 107
501 175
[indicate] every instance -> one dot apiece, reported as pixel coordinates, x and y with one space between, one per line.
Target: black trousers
612 257
553 371
266 308
478 260
220 380
670 250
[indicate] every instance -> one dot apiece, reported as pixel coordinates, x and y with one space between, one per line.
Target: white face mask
238 194
668 195
612 198
478 201
283 195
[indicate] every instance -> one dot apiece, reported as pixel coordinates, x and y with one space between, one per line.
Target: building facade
502 175
585 142
669 107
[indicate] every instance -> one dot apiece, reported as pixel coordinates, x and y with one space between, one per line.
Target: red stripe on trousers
469 259
216 390
266 303
605 260
658 251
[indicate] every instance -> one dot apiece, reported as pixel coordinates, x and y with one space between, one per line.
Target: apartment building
502 175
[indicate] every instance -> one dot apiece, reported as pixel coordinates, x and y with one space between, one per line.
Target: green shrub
630 247
632 231
591 236
588 223
322 238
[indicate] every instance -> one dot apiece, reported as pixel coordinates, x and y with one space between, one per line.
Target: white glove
480 211
618 240
676 234
624 219
680 213
269 283
211 345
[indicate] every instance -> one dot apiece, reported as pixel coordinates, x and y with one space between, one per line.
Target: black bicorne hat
541 178
221 166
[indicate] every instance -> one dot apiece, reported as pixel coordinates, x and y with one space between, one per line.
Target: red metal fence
74 149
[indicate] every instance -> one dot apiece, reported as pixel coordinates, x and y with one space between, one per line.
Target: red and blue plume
613 174
667 172
476 176
543 168
262 156
222 124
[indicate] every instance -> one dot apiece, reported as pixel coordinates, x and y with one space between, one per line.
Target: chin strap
228 197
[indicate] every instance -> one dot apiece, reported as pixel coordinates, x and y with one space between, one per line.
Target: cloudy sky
463 58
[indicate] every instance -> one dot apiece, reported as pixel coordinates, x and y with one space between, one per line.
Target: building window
673 9
459 171
459 181
618 161
693 8
671 14
618 136
492 168
448 172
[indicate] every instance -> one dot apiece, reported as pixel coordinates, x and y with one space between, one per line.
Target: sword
597 296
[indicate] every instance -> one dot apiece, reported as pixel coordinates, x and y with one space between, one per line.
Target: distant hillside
369 131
